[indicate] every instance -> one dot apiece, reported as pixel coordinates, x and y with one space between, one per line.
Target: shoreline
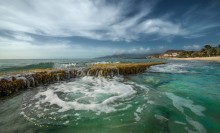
215 59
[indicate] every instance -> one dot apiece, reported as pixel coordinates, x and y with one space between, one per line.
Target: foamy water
170 68
87 93
103 62
64 66
97 95
181 103
174 97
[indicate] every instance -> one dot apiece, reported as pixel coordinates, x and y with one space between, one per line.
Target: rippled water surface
179 96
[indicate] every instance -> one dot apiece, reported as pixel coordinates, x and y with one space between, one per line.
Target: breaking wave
169 68
64 66
102 62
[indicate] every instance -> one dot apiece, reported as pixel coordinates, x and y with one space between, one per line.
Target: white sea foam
66 122
96 94
151 102
102 62
138 112
81 98
179 122
77 114
180 103
160 117
137 117
151 80
198 126
64 66
139 109
169 68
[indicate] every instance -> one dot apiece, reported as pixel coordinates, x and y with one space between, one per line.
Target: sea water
180 96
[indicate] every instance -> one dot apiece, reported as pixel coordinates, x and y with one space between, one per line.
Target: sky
45 29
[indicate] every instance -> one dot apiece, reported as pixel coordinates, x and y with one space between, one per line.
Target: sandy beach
216 58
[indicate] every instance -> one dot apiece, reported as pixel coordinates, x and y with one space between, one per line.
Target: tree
208 50
202 52
212 52
195 54
218 50
207 46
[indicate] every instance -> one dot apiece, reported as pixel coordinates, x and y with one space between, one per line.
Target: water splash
64 66
84 95
169 68
102 62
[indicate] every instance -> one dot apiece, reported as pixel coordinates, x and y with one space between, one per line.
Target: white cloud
83 18
93 19
60 18
23 37
139 50
194 36
161 27
192 47
19 49
134 50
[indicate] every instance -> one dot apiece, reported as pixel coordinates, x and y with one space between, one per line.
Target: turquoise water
179 96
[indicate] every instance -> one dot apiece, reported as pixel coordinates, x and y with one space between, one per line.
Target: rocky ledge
11 84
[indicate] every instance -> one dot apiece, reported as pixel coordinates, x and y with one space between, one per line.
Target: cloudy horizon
93 28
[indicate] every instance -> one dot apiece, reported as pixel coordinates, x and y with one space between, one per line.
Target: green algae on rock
9 85
12 84
121 68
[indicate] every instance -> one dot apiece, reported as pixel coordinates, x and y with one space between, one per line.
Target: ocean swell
27 67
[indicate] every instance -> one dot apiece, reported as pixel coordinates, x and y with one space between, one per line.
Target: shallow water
179 96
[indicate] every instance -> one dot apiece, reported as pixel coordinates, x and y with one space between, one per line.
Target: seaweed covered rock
11 84
8 87
119 68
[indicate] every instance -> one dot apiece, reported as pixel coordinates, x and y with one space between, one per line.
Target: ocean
179 96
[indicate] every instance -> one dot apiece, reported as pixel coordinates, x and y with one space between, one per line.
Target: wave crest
169 68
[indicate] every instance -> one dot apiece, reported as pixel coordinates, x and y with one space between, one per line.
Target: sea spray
79 98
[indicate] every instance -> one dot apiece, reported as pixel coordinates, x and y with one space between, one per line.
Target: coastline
216 58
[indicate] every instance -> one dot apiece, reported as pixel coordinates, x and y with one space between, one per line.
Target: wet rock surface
12 84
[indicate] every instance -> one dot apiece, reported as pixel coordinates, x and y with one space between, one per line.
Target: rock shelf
11 84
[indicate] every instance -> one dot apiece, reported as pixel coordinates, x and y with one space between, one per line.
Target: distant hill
206 51
167 54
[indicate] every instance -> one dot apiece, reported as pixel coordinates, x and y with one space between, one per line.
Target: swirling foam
169 68
90 89
94 95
